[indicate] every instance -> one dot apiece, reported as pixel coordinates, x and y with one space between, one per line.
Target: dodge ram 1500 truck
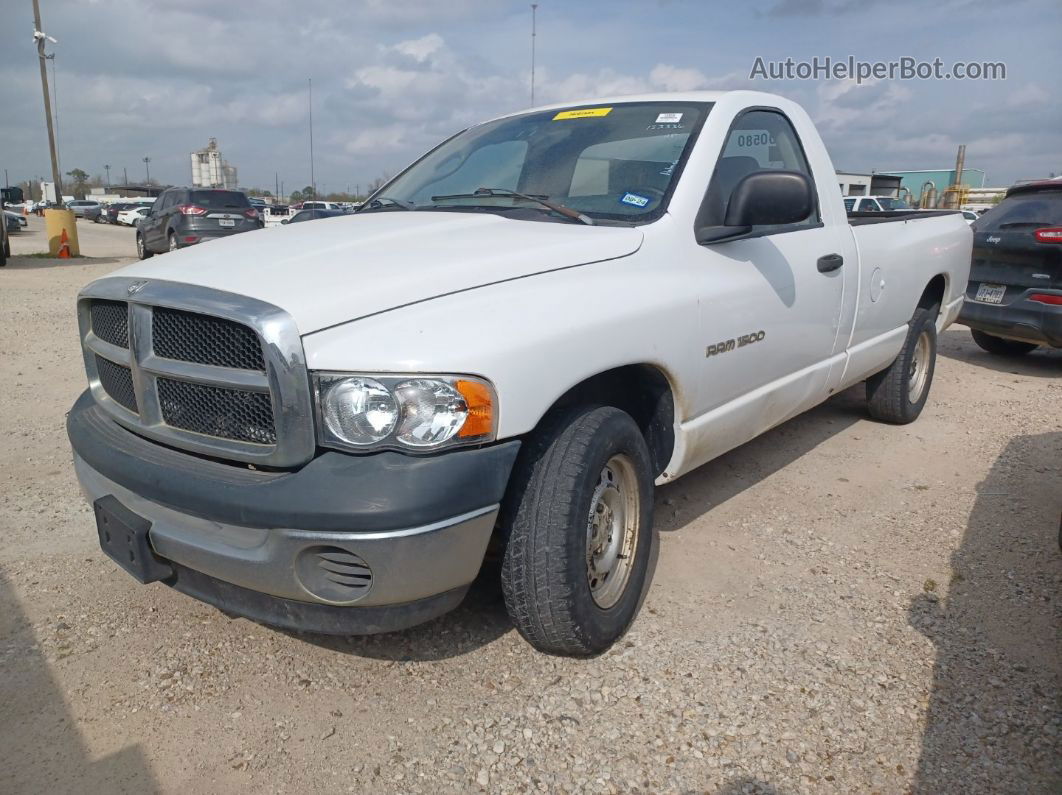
325 426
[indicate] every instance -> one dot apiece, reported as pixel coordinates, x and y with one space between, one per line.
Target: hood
335 270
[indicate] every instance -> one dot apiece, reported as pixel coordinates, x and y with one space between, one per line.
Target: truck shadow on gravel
1042 363
481 618
723 478
33 263
993 719
41 749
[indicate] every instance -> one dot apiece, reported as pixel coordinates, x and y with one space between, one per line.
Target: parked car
316 205
110 212
874 204
182 217
332 423
134 215
1014 297
94 214
312 215
79 206
15 221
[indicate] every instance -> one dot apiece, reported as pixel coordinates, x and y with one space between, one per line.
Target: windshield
616 162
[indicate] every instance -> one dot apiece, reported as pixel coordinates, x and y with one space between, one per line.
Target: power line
534 10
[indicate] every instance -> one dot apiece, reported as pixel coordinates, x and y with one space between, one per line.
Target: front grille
235 414
205 379
117 382
110 322
191 337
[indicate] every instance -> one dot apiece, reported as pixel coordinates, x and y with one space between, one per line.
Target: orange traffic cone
64 246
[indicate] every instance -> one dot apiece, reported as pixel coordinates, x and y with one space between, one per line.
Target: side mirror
763 198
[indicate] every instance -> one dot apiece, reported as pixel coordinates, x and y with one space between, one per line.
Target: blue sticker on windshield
634 199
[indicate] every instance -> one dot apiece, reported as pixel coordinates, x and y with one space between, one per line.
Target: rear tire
142 251
578 522
898 393
172 238
999 346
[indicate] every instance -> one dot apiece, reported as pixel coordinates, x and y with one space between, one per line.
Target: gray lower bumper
406 565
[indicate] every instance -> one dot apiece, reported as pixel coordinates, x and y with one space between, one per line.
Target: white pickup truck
329 426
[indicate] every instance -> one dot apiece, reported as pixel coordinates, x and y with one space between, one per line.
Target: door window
760 140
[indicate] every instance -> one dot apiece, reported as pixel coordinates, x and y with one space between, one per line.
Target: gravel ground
838 606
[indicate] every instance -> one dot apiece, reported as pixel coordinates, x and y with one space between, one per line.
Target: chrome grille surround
285 378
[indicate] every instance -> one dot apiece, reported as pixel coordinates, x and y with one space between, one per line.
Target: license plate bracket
124 537
990 293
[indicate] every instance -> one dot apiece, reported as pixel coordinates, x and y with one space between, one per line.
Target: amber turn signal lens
480 420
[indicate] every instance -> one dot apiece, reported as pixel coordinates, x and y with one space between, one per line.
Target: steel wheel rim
140 245
612 529
919 370
173 243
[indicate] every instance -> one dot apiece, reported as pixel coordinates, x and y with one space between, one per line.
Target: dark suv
1014 297
185 216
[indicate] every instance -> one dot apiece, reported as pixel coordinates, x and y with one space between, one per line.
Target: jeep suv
183 217
1014 298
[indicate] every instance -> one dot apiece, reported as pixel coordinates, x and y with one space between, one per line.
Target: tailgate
1015 259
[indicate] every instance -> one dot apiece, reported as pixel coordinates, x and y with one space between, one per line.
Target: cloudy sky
393 77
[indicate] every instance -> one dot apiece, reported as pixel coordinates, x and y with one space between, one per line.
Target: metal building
211 170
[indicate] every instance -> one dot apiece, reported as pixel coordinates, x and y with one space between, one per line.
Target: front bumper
1019 319
252 543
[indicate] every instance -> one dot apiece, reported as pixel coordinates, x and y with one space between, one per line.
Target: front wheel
1000 346
579 531
898 393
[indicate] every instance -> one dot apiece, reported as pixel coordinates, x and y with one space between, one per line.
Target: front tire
898 393
142 251
999 346
579 531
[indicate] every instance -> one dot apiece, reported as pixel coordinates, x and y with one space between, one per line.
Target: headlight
362 412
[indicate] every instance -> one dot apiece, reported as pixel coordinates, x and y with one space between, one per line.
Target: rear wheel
172 241
1000 346
142 251
898 393
579 531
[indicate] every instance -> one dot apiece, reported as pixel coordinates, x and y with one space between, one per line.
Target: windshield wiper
567 212
377 203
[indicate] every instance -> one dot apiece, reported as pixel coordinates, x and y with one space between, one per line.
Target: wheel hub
919 369
612 531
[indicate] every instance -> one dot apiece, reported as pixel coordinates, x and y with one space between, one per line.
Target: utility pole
147 168
276 187
108 170
40 37
125 177
313 182
55 110
534 9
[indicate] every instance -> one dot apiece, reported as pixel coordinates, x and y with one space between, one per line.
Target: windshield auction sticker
585 113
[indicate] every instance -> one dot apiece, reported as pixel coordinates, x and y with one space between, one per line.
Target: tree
80 178
308 192
295 196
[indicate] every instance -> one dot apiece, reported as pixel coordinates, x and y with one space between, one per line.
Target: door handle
830 262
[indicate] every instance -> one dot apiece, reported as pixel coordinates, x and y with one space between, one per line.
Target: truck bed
861 219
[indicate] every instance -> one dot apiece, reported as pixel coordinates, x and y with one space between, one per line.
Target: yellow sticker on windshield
585 113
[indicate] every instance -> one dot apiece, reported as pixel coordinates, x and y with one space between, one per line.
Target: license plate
226 222
124 537
991 293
